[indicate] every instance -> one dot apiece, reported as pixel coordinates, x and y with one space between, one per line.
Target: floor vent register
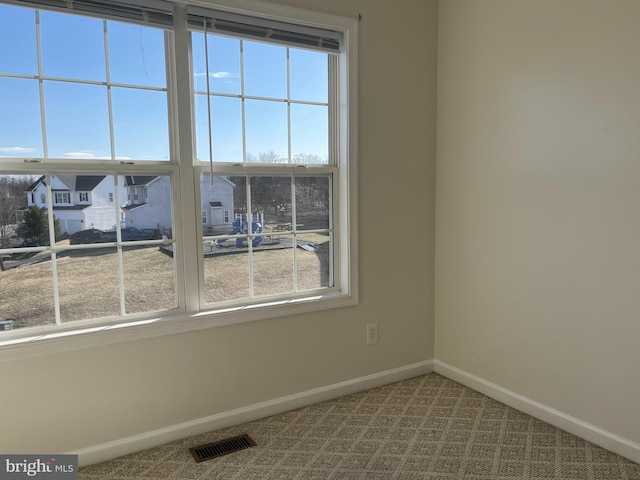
222 447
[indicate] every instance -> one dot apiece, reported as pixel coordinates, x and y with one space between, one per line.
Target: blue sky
77 113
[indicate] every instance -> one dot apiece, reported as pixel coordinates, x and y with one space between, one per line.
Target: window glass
20 121
266 131
313 264
225 246
265 70
310 133
142 65
224 64
309 72
273 269
77 120
149 279
146 207
72 46
313 196
140 123
226 129
18 51
33 286
94 272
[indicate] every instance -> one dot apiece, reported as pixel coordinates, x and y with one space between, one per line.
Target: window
256 111
62 198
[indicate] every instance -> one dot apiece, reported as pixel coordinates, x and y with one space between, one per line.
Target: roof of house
130 180
86 183
55 207
131 207
36 183
70 207
81 183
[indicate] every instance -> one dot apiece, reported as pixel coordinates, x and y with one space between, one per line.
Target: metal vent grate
222 447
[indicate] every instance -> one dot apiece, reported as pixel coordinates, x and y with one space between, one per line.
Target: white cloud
92 156
16 150
80 155
217 75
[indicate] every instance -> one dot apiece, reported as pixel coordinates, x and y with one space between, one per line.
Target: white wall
538 196
68 401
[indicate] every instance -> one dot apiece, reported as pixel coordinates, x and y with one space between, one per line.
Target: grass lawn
89 287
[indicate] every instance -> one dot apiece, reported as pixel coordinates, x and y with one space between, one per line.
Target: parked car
130 234
91 235
15 241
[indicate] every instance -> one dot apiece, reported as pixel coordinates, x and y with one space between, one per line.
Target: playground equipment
241 226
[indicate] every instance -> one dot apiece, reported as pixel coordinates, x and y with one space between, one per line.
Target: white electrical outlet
372 334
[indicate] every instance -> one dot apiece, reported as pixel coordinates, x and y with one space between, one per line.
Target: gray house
149 202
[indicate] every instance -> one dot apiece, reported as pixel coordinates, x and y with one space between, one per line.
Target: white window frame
37 341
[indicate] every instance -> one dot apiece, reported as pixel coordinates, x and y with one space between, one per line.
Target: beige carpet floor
427 428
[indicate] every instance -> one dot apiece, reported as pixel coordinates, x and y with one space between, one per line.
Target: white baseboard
143 441
610 441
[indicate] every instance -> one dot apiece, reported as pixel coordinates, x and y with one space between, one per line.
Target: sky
76 110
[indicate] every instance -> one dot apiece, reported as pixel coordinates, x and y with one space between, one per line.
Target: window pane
273 270
26 293
72 46
146 207
312 202
309 73
20 125
226 261
310 133
140 124
313 261
15 196
266 131
226 129
149 279
265 70
219 197
88 284
26 284
226 276
271 198
82 207
77 120
224 64
136 55
18 52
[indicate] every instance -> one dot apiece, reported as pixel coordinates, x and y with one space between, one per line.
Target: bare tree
13 197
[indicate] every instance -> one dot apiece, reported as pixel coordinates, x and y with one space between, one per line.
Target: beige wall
538 201
68 401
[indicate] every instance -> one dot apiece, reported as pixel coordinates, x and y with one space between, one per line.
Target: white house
149 202
79 201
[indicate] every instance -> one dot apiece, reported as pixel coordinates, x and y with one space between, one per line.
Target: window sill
53 340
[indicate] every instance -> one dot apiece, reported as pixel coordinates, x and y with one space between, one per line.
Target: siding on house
98 211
